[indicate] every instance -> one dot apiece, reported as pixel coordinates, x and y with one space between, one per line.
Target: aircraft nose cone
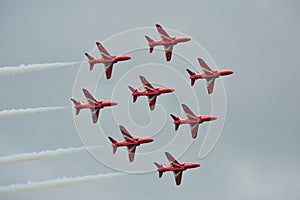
213 118
197 165
127 57
168 90
150 140
114 103
230 72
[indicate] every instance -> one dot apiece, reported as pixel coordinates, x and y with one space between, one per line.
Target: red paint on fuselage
183 167
200 119
216 74
99 105
173 41
136 142
156 91
113 59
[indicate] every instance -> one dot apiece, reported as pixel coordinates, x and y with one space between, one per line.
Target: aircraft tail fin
176 124
191 74
148 38
88 56
160 173
149 41
134 96
113 141
113 144
131 88
76 103
174 117
157 165
90 59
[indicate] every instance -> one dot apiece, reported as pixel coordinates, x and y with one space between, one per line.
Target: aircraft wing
103 51
168 51
205 67
126 134
108 69
89 97
194 129
163 34
210 85
188 112
172 160
178 176
131 152
152 101
95 114
146 84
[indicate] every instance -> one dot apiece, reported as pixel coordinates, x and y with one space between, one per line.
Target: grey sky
257 156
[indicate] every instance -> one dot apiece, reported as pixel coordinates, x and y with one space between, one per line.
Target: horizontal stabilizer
134 98
192 81
76 103
91 66
151 49
160 174
113 144
177 126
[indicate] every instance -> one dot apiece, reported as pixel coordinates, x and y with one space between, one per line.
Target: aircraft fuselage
137 142
156 91
183 167
216 74
99 105
173 41
199 120
113 59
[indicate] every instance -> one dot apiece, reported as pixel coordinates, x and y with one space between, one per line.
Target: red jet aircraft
91 104
130 142
192 119
209 75
150 91
106 59
174 166
167 41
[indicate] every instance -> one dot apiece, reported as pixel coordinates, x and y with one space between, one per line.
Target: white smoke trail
10 70
13 112
53 183
23 157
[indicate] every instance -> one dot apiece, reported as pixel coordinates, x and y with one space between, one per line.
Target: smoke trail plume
9 70
54 183
23 157
13 112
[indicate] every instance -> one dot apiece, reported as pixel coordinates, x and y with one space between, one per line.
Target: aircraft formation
151 93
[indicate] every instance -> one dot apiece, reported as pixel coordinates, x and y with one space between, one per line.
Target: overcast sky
257 156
